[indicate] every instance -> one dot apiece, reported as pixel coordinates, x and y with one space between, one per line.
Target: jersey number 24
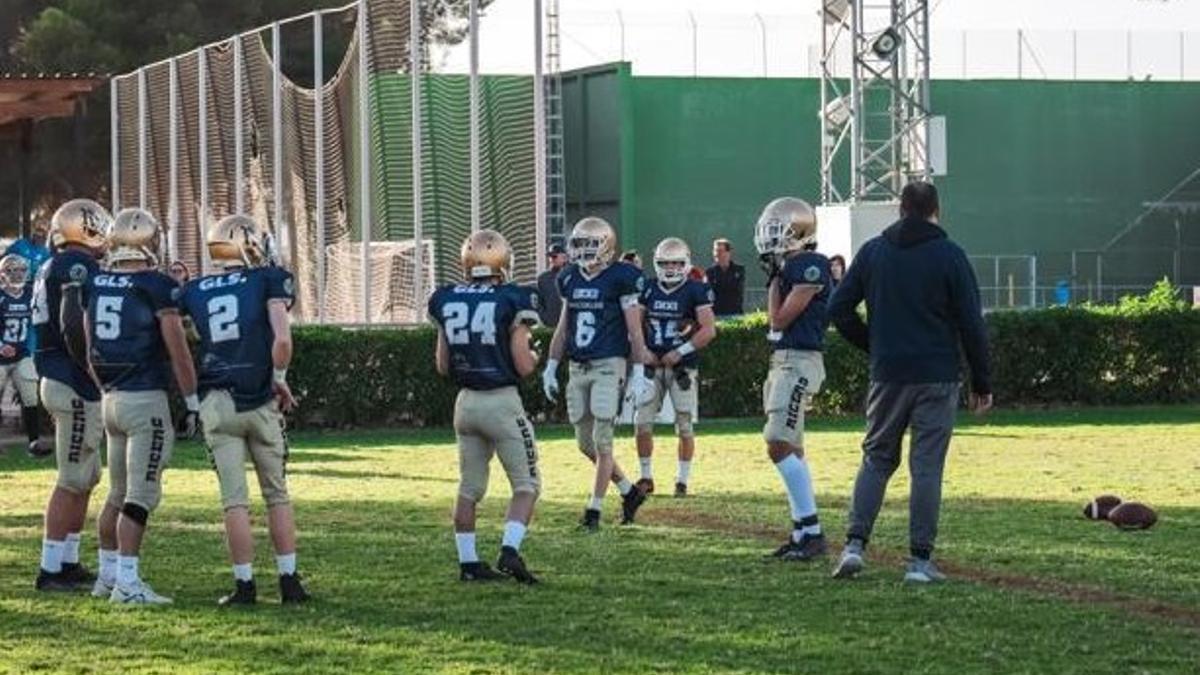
460 323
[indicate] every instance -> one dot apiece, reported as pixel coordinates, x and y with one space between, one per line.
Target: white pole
202 79
114 117
364 155
239 188
1033 295
282 228
473 27
414 21
762 31
319 145
142 171
695 45
539 143
173 169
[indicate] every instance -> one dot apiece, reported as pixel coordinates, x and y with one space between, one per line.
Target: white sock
243 572
685 470
798 480
52 555
595 503
465 541
286 564
108 565
71 549
514 534
647 473
127 570
624 486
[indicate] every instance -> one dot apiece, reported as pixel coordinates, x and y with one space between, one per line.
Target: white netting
393 278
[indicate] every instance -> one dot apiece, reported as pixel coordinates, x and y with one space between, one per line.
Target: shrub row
1062 356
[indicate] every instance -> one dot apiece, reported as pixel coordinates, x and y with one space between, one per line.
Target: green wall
1034 167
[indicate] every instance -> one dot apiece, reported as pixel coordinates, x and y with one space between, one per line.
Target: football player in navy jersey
600 328
67 389
16 364
678 322
798 290
483 344
135 340
241 314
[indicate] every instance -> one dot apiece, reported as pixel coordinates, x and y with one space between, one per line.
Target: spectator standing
547 284
837 269
728 280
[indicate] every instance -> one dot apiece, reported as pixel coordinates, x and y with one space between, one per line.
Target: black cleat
590 520
810 547
40 448
246 593
512 564
680 490
478 571
78 574
291 591
630 504
53 582
647 485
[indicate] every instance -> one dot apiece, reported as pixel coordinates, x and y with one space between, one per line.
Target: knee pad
135 513
683 425
471 493
583 436
527 484
602 436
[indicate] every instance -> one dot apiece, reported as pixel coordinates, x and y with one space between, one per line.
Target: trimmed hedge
386 377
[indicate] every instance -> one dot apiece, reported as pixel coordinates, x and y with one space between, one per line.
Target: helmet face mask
786 225
80 222
592 244
14 274
486 256
135 236
672 260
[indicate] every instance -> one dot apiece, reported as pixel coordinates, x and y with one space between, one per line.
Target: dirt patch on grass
1084 594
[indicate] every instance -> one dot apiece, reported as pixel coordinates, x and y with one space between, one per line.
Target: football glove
640 389
550 379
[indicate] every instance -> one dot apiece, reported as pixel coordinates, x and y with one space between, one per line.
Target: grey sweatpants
928 409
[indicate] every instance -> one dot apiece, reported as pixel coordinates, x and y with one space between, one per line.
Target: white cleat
850 564
103 588
139 594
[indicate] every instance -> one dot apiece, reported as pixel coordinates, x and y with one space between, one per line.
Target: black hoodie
922 303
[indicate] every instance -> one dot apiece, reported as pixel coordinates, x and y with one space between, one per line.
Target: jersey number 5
483 322
108 317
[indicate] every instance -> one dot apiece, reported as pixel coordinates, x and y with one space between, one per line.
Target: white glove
640 389
550 379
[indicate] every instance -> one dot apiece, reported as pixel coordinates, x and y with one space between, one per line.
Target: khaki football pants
24 379
232 435
685 402
77 435
494 423
594 392
140 441
795 377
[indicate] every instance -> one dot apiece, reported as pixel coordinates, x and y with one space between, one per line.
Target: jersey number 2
482 323
222 318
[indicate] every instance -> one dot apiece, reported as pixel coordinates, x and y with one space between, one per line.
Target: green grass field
1035 588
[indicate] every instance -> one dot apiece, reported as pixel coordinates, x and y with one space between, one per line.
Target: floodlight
836 11
886 44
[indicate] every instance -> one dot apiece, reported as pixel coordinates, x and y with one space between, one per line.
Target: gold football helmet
787 224
486 254
235 241
82 222
134 235
592 244
672 260
14 273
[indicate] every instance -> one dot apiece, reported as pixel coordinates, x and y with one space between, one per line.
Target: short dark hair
723 242
630 255
919 200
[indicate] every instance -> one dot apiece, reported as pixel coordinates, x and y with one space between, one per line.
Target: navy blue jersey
67 268
127 348
230 313
666 312
808 330
595 319
477 320
15 313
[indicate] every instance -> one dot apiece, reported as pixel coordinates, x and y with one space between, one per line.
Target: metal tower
874 118
556 170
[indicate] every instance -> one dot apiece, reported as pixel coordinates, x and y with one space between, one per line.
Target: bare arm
637 339
558 342
524 359
785 312
281 326
441 353
708 327
175 338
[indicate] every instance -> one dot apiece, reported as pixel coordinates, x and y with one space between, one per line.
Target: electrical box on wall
842 229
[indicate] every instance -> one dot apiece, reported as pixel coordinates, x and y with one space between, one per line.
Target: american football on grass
1098 508
1133 516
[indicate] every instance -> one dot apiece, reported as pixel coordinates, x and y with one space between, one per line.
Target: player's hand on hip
283 395
550 381
980 404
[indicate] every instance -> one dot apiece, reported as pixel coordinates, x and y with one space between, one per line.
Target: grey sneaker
923 572
851 562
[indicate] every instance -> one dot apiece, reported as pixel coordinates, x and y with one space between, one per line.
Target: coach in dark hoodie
922 304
